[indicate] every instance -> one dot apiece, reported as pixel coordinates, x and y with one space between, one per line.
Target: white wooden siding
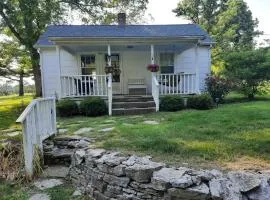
185 62
51 72
132 63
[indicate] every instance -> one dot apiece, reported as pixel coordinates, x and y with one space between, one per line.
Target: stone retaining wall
109 176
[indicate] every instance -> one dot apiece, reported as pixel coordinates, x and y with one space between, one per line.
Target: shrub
201 102
67 108
218 87
171 103
93 106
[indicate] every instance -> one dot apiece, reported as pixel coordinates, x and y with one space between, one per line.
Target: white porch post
109 82
60 72
197 70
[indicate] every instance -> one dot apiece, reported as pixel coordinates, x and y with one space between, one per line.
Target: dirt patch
247 163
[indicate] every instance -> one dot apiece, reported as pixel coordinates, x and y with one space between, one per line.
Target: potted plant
108 69
153 67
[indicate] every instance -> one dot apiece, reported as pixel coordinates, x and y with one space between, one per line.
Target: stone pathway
56 172
151 122
83 130
40 196
47 183
107 130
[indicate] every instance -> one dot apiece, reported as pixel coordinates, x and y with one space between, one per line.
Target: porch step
132 98
133 105
132 111
144 104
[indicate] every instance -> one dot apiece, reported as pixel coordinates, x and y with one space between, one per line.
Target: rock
95 153
112 159
215 186
62 130
118 181
244 180
202 190
230 191
13 134
185 181
61 153
107 130
181 194
40 196
83 130
151 122
77 193
163 178
142 170
56 172
261 193
47 183
78 157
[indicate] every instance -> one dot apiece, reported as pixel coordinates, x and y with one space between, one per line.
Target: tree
248 69
14 63
229 22
26 20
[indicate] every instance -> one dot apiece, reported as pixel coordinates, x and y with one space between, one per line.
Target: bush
67 108
217 87
201 102
171 103
93 106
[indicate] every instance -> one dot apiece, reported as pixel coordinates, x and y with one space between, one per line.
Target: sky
161 10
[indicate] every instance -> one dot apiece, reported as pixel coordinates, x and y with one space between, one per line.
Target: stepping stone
40 197
109 121
77 193
47 183
63 130
83 130
151 122
13 134
107 130
56 172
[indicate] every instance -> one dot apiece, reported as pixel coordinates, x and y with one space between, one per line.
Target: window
88 64
166 63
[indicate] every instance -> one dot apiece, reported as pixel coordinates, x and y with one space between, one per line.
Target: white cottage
74 59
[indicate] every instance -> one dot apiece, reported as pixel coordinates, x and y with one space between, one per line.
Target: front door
116 75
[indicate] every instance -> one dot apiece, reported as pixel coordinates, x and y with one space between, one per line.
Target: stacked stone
108 175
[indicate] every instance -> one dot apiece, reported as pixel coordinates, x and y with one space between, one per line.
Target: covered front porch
84 69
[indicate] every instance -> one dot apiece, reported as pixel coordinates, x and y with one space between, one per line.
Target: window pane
167 63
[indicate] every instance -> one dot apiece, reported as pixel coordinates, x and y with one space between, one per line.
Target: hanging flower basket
112 70
153 67
108 70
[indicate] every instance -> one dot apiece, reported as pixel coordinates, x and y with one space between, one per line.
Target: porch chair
137 83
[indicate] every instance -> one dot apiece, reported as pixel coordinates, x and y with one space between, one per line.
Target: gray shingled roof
127 31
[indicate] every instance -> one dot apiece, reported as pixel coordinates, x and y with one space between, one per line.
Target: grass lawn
232 136
10 109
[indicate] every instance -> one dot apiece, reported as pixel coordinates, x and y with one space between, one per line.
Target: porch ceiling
176 47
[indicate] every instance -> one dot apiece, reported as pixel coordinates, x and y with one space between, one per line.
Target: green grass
10 191
201 138
10 109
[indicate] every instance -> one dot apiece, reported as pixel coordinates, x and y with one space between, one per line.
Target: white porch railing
38 123
84 85
177 83
155 91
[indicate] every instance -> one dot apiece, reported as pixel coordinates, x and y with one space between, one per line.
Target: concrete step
132 111
145 104
132 99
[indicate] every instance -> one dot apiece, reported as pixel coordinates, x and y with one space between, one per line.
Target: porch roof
56 32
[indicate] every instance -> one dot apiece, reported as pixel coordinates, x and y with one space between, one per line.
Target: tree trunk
36 72
21 90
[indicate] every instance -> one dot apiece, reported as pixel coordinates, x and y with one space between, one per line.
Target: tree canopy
26 20
229 22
